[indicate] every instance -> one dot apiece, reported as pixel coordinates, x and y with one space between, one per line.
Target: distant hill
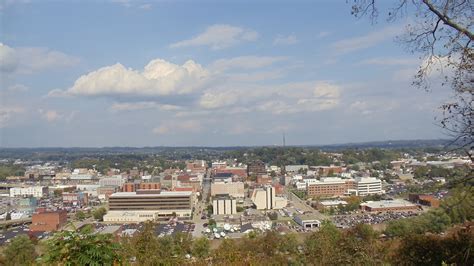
185 152
391 144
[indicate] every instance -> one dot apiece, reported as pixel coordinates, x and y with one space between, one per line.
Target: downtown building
33 191
144 205
336 187
224 205
265 199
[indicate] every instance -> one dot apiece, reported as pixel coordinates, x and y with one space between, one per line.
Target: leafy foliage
81 248
21 251
99 213
11 170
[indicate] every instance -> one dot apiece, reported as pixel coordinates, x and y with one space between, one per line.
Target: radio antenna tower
284 142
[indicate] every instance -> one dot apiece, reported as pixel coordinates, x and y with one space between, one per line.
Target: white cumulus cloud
159 77
211 100
219 36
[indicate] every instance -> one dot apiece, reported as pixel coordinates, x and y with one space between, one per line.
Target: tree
227 253
80 215
210 209
421 172
99 213
21 251
201 247
273 216
442 33
81 248
459 206
419 250
212 223
58 193
322 247
433 221
143 246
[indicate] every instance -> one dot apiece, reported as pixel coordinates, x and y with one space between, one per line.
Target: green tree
460 204
359 246
99 213
433 221
143 246
58 193
322 247
201 247
81 248
80 215
227 253
419 250
421 172
20 251
212 223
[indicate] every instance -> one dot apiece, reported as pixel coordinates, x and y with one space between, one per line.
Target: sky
206 73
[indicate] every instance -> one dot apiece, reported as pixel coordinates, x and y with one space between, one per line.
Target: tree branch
448 21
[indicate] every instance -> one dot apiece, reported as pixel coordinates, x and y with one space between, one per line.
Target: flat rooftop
388 204
160 194
332 202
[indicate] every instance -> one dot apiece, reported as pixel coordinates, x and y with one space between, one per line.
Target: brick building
423 199
235 171
46 221
264 179
132 187
255 168
78 199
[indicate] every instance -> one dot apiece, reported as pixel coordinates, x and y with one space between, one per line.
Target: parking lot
9 234
171 229
346 221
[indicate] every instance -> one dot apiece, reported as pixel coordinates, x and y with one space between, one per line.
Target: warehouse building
396 205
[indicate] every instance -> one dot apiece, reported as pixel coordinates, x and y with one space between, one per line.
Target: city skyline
129 73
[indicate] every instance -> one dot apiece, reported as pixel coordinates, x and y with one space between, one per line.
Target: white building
224 206
37 191
81 176
219 164
307 222
296 168
300 185
368 186
233 189
90 189
265 199
114 181
143 205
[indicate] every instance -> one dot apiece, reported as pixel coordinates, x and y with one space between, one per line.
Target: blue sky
217 73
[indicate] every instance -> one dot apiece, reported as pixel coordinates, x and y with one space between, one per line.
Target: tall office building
144 205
